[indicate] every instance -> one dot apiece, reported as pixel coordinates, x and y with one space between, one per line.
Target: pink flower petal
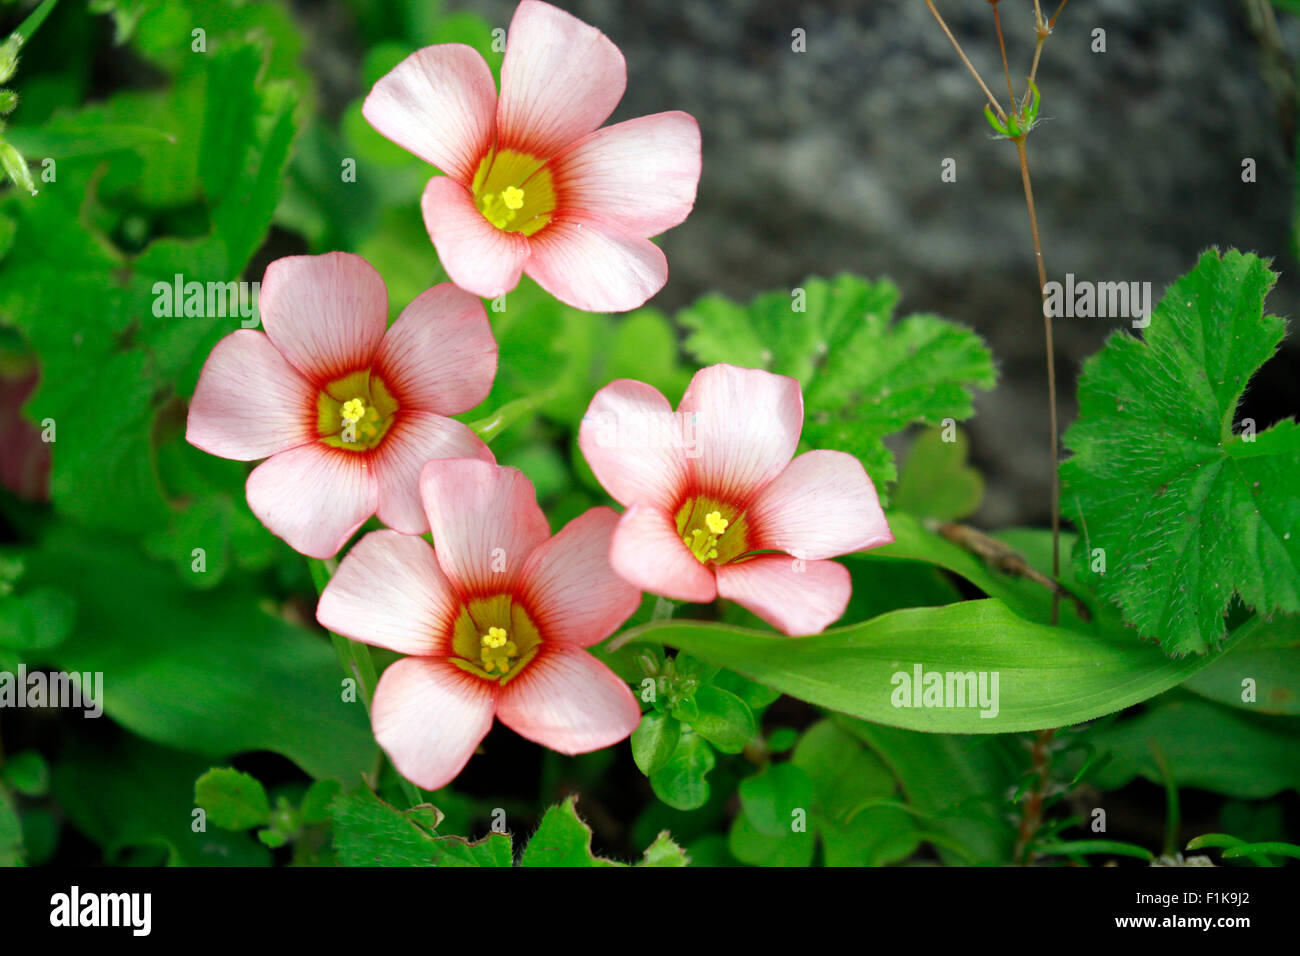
485 522
440 355
430 716
326 314
636 445
795 596
821 506
648 553
560 80
313 496
439 103
570 588
568 701
416 438
478 257
747 422
390 592
250 403
591 267
637 177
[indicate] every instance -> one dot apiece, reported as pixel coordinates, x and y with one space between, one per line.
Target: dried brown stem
970 66
1000 557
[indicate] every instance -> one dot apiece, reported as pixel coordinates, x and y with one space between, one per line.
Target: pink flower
531 184
495 620
345 412
710 487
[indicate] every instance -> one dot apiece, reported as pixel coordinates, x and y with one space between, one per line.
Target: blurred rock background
830 160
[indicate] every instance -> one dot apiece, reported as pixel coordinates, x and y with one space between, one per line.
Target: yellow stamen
498 651
713 530
353 410
513 197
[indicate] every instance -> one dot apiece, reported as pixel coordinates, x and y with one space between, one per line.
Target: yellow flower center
354 412
514 191
494 638
712 530
499 652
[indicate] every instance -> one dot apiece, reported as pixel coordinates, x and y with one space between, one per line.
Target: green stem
33 22
509 413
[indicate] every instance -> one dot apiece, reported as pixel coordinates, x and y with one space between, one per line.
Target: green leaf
315 806
132 797
664 852
1090 847
1267 662
264 685
935 481
27 772
1046 677
1187 513
247 131
562 839
370 832
495 849
681 782
948 778
233 800
1273 848
36 620
11 831
724 720
654 741
776 797
1204 745
849 786
750 845
864 376
73 135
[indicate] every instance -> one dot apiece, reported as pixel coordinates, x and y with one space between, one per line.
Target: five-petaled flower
706 496
495 620
346 412
532 185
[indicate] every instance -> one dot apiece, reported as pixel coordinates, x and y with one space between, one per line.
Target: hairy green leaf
1185 512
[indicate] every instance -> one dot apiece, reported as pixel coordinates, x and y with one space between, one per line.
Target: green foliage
203 152
233 800
1232 752
1261 673
833 792
265 685
855 669
864 376
935 482
1187 512
369 832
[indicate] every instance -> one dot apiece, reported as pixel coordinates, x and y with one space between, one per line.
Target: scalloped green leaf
864 375
1187 513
